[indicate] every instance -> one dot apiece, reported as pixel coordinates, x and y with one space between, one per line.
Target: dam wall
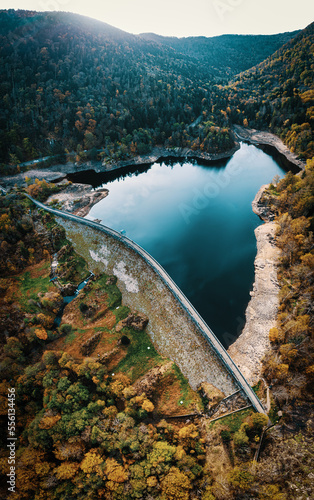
175 327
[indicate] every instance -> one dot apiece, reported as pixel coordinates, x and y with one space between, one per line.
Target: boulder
52 301
107 357
63 250
68 290
210 392
112 280
124 341
261 205
90 344
151 379
137 321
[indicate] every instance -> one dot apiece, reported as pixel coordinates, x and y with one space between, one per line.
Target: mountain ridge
85 22
278 93
70 83
226 47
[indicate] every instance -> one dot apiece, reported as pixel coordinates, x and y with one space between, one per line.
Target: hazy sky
186 18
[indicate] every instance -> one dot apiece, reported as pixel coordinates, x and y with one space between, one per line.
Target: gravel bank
261 313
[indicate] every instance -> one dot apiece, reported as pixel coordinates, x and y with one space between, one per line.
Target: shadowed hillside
96 410
71 84
227 54
278 93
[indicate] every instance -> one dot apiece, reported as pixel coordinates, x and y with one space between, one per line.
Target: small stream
68 299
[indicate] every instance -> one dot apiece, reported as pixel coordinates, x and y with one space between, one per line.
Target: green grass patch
70 338
114 296
139 358
29 287
72 265
55 204
257 387
81 331
75 268
81 267
111 289
233 421
27 204
47 218
101 329
121 313
273 412
74 336
187 396
113 339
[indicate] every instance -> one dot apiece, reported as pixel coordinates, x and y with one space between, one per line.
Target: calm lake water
198 223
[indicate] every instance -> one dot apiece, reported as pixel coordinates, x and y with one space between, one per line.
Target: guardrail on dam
175 326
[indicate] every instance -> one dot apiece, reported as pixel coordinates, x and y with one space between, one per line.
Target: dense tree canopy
70 84
290 363
278 94
84 428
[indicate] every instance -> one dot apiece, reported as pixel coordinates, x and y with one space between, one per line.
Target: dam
175 327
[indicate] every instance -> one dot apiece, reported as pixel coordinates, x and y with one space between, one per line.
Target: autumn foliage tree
289 362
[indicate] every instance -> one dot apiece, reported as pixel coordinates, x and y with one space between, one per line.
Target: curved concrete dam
176 329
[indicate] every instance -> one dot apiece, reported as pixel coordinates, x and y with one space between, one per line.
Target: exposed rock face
107 357
68 290
262 138
228 405
89 345
78 198
51 301
260 208
159 153
149 382
211 392
136 321
253 343
59 171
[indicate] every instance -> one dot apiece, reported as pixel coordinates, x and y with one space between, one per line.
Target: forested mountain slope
279 93
93 396
226 54
69 83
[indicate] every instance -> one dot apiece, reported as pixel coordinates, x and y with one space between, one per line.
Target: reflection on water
198 223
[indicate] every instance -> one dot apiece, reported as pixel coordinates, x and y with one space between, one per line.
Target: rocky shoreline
261 313
268 140
78 198
159 154
58 172
55 173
